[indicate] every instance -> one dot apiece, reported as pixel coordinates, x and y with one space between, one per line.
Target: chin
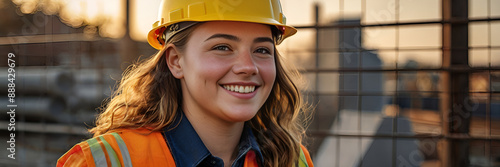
241 115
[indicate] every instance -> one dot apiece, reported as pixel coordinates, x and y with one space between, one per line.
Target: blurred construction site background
393 82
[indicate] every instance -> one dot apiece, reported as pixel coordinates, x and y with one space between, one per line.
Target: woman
216 94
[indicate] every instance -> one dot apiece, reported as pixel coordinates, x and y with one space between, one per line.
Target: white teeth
239 89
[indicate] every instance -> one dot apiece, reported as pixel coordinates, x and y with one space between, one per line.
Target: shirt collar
188 150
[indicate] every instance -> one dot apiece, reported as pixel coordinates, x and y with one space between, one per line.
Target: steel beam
456 114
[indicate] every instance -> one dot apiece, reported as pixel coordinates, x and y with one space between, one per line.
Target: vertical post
314 97
316 47
316 55
128 48
126 24
445 106
456 114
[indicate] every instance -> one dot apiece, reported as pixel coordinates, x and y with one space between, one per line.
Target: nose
245 65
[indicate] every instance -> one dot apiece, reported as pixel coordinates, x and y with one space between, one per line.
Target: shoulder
74 157
119 147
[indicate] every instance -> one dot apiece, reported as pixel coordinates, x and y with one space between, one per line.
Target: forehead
244 29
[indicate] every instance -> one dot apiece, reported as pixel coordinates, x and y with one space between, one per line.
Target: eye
263 51
221 47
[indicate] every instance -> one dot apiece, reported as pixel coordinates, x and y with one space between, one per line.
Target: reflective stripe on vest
97 153
100 159
115 162
127 162
303 160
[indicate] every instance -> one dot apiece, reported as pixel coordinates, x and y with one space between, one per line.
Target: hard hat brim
287 30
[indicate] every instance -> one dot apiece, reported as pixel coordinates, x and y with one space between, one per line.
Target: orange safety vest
129 148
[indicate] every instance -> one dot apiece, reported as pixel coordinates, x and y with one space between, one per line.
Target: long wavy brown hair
148 96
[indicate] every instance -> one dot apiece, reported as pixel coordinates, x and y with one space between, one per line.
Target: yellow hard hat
189 11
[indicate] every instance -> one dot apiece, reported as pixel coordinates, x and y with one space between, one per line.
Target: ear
173 58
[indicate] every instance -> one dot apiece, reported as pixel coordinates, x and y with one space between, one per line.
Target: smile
239 89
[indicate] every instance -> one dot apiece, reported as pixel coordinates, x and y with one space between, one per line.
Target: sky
109 15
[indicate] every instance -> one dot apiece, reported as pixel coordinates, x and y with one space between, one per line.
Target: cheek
207 69
268 72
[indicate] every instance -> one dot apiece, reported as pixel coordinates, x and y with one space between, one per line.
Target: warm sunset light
108 15
142 18
389 82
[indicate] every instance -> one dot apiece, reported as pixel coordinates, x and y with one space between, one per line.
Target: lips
240 88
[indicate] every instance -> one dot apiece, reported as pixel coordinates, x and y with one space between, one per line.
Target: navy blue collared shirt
188 150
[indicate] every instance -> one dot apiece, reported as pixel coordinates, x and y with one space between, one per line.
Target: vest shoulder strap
109 150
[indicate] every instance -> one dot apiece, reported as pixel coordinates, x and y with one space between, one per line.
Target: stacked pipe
40 92
58 94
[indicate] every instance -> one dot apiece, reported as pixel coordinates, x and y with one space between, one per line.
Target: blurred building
338 100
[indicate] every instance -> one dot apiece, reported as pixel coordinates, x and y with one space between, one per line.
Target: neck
220 137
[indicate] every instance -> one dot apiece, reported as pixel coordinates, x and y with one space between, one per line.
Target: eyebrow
235 38
263 39
226 36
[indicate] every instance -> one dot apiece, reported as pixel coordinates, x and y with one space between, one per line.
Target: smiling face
227 70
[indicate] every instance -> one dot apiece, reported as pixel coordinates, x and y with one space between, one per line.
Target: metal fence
403 91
